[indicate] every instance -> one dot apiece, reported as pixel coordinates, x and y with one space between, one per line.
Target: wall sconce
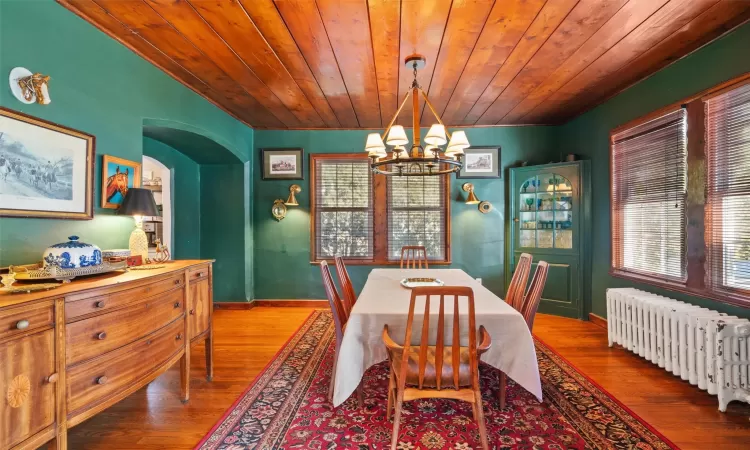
279 208
483 206
29 88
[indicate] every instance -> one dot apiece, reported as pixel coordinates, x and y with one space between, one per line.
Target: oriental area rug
286 407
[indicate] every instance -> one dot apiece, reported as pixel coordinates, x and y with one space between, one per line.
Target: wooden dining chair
340 317
437 369
346 285
527 307
517 287
413 256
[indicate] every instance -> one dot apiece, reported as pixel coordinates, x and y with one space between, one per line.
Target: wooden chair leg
480 419
391 395
360 396
474 411
397 419
502 392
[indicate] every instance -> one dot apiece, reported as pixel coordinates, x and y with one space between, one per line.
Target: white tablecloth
384 301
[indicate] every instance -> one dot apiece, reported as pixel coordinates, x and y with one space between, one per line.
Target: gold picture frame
46 169
118 175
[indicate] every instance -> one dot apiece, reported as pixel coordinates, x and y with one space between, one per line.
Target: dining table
384 301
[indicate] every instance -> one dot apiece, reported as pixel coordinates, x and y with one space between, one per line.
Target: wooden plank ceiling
338 63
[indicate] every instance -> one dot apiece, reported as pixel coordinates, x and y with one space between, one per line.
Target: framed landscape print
118 175
46 170
481 162
282 163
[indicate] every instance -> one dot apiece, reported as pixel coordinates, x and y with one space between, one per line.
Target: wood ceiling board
139 19
232 24
183 18
422 27
667 20
711 24
90 11
620 25
584 20
505 26
385 29
465 24
348 28
303 20
550 17
267 19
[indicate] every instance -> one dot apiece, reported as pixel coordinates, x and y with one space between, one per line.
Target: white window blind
728 190
649 186
417 210
343 208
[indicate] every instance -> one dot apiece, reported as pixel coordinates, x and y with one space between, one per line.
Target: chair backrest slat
350 297
534 294
517 286
440 343
425 341
413 256
334 301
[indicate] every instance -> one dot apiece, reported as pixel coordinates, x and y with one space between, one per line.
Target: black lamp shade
138 202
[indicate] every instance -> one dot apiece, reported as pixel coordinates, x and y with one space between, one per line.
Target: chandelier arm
434 113
395 116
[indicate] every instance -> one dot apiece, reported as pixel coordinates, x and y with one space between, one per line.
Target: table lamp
138 202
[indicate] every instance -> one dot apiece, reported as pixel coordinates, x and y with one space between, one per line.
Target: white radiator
707 348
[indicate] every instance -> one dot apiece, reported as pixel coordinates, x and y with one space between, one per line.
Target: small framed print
118 175
481 162
282 163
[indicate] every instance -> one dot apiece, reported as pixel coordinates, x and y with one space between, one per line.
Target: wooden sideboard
69 353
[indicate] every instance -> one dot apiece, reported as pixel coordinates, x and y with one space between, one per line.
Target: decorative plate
411 283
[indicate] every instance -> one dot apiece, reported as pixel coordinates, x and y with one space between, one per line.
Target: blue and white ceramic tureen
72 254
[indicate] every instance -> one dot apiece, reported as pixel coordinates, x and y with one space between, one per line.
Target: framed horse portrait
46 170
118 175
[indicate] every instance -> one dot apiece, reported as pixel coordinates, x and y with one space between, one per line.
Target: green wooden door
549 216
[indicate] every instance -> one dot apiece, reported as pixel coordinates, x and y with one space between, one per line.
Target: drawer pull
22 324
199 274
99 304
177 281
176 304
192 312
179 336
101 336
148 342
101 380
52 378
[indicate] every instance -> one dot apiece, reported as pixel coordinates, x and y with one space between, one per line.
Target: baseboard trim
292 303
599 321
234 305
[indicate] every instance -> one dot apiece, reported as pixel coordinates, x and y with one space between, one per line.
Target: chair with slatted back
413 256
534 294
350 297
340 317
437 369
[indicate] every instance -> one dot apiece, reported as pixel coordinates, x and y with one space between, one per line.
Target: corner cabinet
550 211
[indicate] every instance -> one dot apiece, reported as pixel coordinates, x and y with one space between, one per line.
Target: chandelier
420 161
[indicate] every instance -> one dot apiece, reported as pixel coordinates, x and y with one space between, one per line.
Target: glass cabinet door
545 211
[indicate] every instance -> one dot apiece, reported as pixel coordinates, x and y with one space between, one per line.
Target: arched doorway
158 178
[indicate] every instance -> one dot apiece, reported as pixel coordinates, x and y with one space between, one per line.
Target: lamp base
138 244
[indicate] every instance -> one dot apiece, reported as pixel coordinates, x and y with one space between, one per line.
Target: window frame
380 216
695 208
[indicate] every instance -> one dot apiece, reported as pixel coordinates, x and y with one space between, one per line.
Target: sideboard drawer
97 335
118 299
107 375
198 273
24 318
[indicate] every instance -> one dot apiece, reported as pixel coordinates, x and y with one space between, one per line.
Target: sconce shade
457 143
436 135
138 202
472 198
292 200
375 145
397 136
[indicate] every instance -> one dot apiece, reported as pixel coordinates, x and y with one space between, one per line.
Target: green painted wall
185 192
588 135
282 249
99 86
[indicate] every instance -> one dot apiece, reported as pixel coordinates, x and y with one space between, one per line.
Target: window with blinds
417 211
342 207
649 187
728 190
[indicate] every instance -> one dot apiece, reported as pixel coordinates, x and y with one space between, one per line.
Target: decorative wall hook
29 88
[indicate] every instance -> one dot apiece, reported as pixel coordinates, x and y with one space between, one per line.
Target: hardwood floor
246 340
